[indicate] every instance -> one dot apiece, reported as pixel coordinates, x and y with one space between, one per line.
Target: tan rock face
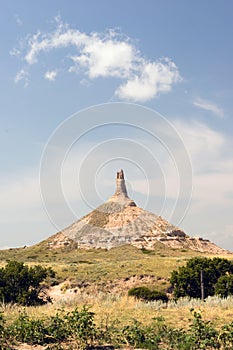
119 221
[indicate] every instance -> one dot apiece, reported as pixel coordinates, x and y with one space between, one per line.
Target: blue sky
58 58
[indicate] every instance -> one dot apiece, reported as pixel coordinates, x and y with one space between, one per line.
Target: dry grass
108 308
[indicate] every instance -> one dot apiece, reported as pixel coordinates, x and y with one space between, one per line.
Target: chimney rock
121 195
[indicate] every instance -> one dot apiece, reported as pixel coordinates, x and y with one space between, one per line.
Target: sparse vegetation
99 265
77 329
98 218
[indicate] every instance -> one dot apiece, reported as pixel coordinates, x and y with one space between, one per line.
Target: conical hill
120 221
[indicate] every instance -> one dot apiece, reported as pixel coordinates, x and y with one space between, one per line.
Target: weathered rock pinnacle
119 221
121 195
120 185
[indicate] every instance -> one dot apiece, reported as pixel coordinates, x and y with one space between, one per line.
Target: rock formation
121 195
120 221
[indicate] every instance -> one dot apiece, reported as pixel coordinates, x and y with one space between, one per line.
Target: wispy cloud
209 106
206 146
51 75
105 55
22 75
18 20
212 164
222 236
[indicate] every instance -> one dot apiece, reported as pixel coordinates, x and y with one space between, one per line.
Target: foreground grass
108 308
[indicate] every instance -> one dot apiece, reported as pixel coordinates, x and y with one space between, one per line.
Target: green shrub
58 328
226 336
146 294
134 334
81 326
203 334
27 330
22 284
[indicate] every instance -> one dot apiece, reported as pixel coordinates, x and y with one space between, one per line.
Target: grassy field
97 268
99 265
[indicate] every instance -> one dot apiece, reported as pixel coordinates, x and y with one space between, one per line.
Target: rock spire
120 185
121 195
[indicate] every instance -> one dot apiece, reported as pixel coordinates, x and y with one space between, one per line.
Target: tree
22 284
187 279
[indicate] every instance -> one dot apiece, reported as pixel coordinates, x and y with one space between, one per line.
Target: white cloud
15 52
105 58
209 106
106 55
22 75
152 78
51 75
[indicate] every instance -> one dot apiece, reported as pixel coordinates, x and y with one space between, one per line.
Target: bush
134 334
27 330
22 284
58 328
203 333
82 327
146 294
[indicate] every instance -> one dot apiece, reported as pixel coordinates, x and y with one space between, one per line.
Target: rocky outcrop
120 221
